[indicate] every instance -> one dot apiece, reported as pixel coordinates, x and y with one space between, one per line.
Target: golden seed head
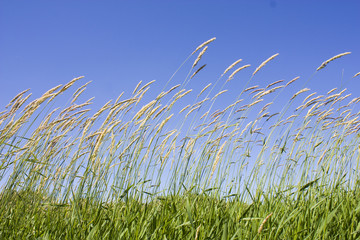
272 84
231 66
218 94
299 92
251 88
137 86
332 59
217 158
199 56
204 44
264 63
331 91
357 74
262 224
204 89
291 81
236 71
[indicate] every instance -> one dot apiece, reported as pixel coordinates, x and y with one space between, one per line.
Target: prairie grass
162 169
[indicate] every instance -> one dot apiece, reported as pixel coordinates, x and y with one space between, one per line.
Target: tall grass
139 169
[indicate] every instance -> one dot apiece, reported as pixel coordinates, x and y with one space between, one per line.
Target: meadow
140 168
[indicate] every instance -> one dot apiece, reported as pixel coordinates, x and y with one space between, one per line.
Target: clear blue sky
118 43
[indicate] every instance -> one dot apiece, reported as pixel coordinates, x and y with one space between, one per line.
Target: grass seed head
231 66
199 56
264 63
200 68
357 74
291 81
206 87
236 71
299 92
263 223
204 44
332 59
276 82
137 86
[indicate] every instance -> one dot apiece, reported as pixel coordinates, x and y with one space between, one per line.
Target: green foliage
332 215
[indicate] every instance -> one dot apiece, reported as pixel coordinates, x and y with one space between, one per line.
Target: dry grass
132 151
332 59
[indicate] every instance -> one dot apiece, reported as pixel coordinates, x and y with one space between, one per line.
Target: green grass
157 169
326 216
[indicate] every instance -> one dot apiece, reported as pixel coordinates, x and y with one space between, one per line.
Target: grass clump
140 169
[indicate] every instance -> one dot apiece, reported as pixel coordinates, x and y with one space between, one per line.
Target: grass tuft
274 168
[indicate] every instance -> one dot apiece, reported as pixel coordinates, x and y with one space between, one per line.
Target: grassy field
160 169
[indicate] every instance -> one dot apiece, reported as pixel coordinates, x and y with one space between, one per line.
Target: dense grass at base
156 169
313 214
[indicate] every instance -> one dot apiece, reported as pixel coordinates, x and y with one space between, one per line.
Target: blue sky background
118 43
